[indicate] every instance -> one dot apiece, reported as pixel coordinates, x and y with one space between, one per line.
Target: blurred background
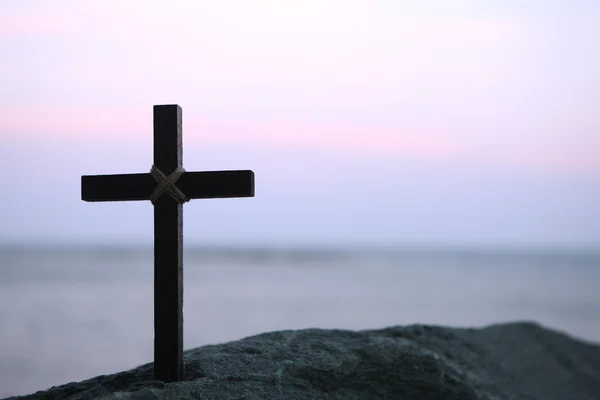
416 162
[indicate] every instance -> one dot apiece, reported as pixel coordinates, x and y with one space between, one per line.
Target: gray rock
509 361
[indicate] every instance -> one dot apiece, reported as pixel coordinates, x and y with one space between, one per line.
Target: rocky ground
508 361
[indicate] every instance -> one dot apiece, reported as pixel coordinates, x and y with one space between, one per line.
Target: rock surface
509 361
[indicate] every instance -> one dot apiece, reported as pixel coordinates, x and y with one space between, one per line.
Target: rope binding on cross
166 184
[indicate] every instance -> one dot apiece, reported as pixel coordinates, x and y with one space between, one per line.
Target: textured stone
509 361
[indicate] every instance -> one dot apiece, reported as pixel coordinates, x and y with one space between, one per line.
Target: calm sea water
71 314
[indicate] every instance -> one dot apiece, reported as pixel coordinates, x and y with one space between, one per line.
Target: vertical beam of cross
168 251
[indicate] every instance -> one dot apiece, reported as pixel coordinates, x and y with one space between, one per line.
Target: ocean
69 314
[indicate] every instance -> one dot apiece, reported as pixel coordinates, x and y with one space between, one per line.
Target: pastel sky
421 122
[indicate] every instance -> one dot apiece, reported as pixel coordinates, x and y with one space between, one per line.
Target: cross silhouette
168 186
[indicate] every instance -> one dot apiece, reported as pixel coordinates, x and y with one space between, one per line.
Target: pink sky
579 154
467 85
385 78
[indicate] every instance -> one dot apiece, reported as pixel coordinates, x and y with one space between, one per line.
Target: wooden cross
168 226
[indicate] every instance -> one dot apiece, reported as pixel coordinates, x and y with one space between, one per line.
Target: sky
435 123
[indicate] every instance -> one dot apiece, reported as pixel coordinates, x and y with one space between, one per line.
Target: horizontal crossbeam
195 185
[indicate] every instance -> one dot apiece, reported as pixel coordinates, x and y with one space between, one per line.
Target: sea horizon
93 305
325 247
